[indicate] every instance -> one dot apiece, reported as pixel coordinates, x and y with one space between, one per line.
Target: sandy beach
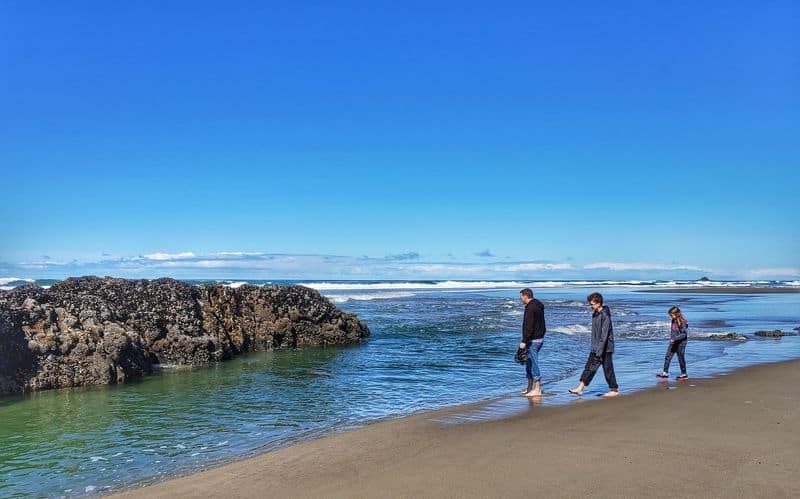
737 435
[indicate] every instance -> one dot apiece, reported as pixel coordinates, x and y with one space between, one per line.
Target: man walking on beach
602 348
533 329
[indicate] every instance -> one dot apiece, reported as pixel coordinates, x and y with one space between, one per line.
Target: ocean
434 344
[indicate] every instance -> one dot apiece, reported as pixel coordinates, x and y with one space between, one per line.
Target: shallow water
429 349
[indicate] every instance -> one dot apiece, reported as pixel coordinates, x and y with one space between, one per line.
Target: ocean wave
613 283
642 329
566 303
433 285
499 285
641 325
464 285
336 298
570 329
236 284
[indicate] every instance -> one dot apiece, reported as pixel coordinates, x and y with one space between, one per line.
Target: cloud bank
406 265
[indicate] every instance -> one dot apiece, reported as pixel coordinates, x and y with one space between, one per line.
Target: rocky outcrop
777 333
726 337
90 331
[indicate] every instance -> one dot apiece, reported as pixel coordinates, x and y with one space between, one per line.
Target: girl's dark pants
680 349
608 369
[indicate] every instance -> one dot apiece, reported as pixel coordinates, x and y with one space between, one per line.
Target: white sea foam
611 283
367 296
172 366
237 284
566 303
434 286
665 325
98 458
571 329
89 488
485 285
642 329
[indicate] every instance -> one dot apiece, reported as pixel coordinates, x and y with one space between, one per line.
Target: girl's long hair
677 317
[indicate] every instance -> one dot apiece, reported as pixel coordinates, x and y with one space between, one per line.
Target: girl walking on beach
677 343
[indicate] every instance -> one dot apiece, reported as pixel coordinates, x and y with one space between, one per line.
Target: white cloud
202 264
622 267
238 253
522 267
255 265
169 256
242 263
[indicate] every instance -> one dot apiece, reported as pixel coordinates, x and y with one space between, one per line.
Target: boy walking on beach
602 348
533 329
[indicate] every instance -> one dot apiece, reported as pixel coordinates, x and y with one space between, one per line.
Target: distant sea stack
96 331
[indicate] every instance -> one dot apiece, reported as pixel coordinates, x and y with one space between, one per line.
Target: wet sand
724 291
733 436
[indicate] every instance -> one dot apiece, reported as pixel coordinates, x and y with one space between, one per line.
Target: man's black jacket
533 326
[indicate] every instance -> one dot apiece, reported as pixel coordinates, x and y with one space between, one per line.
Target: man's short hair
527 293
595 297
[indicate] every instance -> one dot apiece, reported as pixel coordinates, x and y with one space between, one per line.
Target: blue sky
379 140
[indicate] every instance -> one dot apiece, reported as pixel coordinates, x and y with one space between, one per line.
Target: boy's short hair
527 293
595 297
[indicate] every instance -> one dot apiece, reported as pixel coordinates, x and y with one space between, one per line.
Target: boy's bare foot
612 393
575 391
534 393
525 392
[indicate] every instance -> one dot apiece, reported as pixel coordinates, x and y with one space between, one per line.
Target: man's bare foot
534 393
612 393
575 391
